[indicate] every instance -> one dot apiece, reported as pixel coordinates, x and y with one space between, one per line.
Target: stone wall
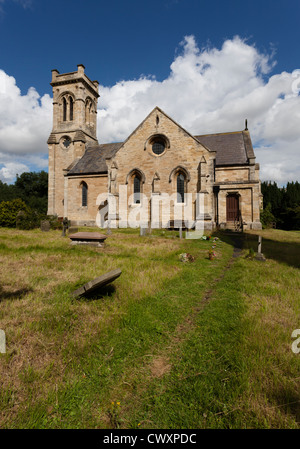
78 214
159 172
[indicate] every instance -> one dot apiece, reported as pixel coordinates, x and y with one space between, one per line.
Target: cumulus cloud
208 90
25 124
10 170
214 90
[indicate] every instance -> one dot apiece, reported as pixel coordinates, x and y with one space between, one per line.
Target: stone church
160 163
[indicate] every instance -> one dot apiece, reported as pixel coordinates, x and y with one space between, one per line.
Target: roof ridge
219 134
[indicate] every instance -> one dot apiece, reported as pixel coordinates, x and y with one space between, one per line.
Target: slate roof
231 149
93 160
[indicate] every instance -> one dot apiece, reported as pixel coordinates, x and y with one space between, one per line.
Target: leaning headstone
97 283
45 225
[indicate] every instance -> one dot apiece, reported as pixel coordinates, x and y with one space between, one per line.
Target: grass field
172 345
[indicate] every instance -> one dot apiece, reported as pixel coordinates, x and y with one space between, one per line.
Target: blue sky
147 53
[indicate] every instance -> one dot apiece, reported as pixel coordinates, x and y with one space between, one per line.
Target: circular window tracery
157 144
66 142
158 147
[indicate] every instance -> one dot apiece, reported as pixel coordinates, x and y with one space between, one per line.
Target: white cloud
25 124
10 170
25 120
207 90
214 90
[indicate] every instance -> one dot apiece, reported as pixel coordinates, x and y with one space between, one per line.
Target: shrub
28 219
55 223
266 216
9 211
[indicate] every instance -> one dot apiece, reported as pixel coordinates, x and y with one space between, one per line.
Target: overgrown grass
169 344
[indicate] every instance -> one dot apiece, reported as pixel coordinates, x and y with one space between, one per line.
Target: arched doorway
232 207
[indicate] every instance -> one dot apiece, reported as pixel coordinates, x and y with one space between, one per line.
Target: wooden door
232 207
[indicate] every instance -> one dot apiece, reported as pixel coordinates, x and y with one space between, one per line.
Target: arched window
84 192
87 113
180 187
64 109
71 108
89 110
67 107
136 189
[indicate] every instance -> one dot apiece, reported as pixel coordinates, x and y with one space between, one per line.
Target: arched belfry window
64 109
136 189
67 108
71 108
180 187
89 111
84 194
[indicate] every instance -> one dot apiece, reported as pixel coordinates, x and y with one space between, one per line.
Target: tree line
25 202
281 205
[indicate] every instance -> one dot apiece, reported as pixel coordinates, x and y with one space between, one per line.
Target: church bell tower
75 99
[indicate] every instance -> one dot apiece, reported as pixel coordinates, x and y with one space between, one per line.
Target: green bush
266 216
28 219
9 211
54 222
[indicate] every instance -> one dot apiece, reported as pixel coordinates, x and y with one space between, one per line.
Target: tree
283 203
266 216
31 187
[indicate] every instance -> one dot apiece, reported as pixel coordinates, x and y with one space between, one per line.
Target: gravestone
142 231
45 225
65 226
259 255
87 238
97 283
72 230
21 215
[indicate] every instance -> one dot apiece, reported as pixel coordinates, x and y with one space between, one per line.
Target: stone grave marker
65 224
88 238
97 283
45 225
143 231
259 255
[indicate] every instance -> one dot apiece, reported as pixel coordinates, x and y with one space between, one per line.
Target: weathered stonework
71 130
220 168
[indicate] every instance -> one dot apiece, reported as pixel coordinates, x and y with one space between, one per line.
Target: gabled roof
231 148
157 109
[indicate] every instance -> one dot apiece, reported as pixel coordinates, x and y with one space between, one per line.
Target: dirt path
160 364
